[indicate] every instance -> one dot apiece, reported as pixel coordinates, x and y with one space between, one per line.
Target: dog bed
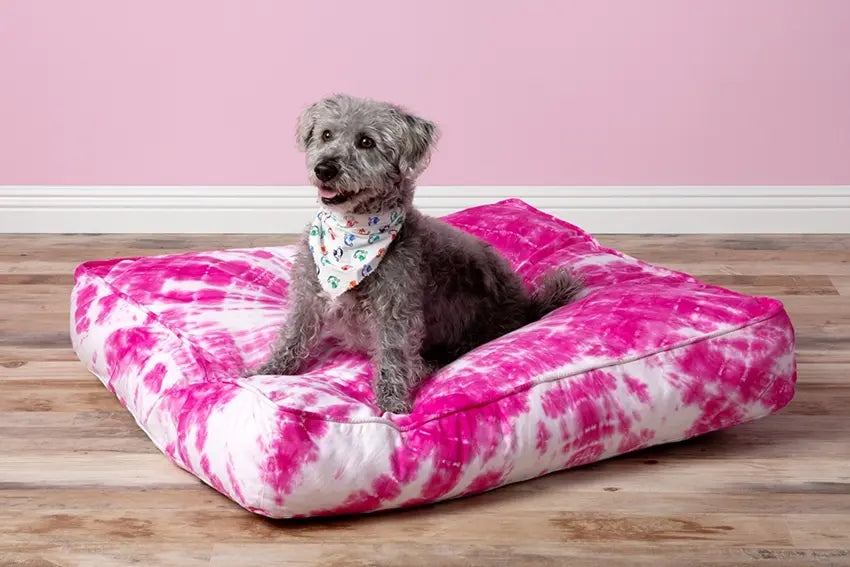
646 356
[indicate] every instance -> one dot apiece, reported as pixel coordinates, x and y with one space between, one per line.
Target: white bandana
348 248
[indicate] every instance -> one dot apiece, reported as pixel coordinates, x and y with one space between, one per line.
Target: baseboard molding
259 209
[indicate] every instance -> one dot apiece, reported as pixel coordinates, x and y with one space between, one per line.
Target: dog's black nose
326 170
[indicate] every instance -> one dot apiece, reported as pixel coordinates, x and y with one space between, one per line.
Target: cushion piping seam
555 377
558 376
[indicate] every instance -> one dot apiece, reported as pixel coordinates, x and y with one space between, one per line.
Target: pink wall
527 92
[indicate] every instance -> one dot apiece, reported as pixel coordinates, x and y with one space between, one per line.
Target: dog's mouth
331 196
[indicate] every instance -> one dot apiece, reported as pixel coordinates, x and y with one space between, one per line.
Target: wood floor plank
29 331
99 468
814 530
37 281
144 498
59 351
721 244
55 396
81 484
823 310
421 555
67 425
106 555
754 267
824 373
416 526
773 285
529 554
81 248
66 367
841 284
525 497
82 444
24 299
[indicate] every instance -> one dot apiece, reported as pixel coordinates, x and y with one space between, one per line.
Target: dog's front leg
399 365
398 362
294 340
300 331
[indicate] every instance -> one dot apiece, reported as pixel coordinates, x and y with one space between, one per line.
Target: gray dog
411 291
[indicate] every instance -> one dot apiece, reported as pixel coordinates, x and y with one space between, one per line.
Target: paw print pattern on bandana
346 249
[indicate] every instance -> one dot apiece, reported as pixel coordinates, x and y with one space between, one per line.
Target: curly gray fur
438 293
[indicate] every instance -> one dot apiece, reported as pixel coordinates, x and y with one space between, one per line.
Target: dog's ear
307 120
418 139
306 123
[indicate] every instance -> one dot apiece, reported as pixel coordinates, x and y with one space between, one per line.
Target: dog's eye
365 142
326 135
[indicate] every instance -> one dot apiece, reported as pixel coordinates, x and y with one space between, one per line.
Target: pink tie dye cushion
647 356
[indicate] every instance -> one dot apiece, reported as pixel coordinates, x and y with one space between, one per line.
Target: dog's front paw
275 367
391 393
393 404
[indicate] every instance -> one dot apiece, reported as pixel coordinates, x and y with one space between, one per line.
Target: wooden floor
80 484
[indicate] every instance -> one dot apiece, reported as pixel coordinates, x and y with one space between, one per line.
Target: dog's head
363 154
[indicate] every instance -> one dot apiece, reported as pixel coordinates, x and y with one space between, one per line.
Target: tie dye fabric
646 356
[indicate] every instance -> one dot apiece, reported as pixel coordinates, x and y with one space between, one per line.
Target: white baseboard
260 209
